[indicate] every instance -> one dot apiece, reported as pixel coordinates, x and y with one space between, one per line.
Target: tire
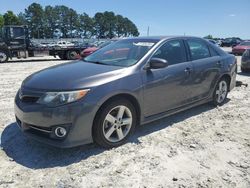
220 92
109 130
3 57
62 56
72 55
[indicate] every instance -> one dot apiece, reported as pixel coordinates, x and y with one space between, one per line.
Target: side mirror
157 63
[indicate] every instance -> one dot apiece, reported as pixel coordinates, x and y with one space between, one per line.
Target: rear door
207 65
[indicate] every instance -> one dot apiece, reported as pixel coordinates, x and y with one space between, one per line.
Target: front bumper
38 122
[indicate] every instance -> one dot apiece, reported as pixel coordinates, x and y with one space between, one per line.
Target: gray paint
159 92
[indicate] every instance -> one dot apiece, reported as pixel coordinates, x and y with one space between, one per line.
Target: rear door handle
219 63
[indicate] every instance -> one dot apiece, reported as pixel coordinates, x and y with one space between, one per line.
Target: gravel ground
201 147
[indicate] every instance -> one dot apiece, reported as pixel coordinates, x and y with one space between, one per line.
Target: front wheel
3 57
114 123
220 92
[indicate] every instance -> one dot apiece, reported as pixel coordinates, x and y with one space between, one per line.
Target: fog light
60 132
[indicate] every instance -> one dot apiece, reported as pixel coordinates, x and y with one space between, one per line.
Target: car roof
159 38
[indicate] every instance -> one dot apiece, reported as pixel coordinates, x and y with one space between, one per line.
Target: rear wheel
114 123
220 92
3 57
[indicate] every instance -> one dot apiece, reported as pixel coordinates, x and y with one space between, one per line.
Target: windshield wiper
96 62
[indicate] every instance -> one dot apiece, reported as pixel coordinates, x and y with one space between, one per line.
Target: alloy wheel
117 123
221 91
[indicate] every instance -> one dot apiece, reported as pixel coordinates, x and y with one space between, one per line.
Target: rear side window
173 51
246 53
198 49
213 52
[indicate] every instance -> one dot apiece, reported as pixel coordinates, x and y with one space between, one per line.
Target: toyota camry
103 97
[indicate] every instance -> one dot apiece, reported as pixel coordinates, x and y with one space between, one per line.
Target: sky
220 18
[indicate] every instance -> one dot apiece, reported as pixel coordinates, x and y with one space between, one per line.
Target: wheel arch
126 96
228 78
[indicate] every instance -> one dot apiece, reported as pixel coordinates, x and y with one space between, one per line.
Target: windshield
122 53
104 44
245 43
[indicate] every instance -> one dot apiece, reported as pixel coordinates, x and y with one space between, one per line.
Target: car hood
72 76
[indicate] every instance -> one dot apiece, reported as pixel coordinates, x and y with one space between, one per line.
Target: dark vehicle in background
214 42
103 97
15 42
245 61
240 48
231 42
92 49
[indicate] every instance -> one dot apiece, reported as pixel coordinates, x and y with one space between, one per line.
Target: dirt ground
201 147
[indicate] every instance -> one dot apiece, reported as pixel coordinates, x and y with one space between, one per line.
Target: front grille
29 96
29 99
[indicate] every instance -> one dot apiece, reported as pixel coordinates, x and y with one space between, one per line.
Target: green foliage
44 22
34 18
1 21
86 26
10 18
208 37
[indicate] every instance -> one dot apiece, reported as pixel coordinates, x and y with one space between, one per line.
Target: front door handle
188 70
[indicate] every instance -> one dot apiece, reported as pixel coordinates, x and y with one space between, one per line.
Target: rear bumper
245 64
39 122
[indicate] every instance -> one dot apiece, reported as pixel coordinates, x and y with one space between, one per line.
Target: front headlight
60 98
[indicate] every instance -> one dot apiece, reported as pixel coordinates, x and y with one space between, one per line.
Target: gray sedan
103 97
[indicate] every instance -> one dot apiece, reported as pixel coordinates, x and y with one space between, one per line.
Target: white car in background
64 44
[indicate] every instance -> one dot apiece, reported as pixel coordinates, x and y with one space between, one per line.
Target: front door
168 88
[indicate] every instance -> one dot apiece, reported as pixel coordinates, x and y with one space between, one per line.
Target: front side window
172 51
213 52
198 49
122 53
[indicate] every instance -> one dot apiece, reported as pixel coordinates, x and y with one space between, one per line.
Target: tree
10 18
1 21
109 25
34 16
50 21
67 21
86 26
208 37
120 25
62 21
22 20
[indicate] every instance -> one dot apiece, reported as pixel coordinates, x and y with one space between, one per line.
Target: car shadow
35 155
244 73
